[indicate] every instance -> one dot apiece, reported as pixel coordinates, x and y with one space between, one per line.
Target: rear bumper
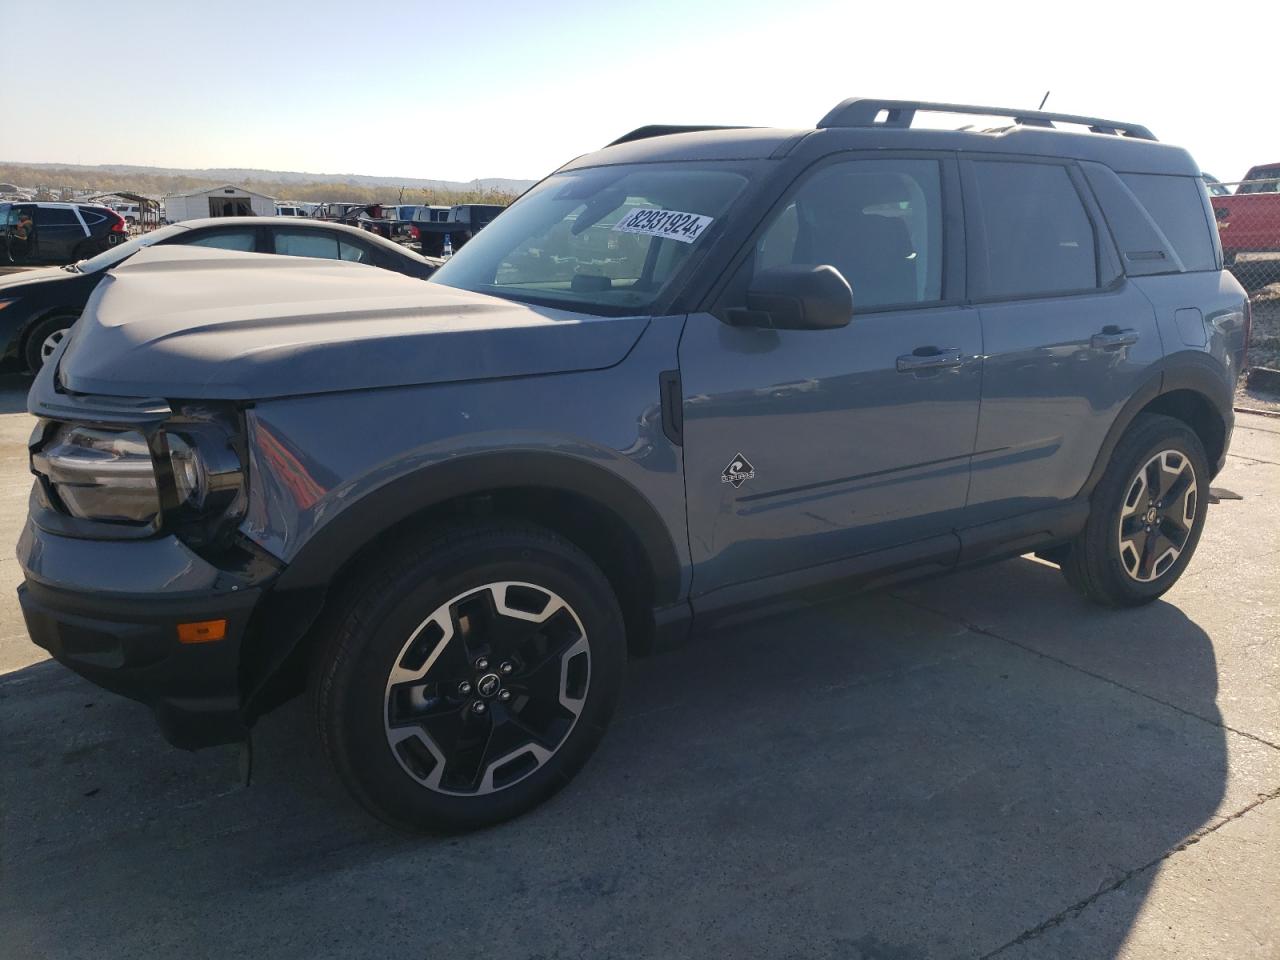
129 645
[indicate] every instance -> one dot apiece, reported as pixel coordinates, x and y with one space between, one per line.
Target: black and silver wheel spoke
1157 516
487 688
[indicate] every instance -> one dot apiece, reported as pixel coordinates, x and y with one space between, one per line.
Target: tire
44 336
402 666
1110 561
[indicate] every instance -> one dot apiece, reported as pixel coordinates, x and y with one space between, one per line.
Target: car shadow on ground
13 392
862 779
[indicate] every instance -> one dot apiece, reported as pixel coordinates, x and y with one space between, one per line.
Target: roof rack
662 130
863 112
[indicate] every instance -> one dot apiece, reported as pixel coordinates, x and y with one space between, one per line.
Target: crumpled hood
196 323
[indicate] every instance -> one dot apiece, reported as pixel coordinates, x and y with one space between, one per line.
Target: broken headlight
182 475
100 474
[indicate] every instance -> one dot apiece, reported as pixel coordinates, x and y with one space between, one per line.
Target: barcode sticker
685 227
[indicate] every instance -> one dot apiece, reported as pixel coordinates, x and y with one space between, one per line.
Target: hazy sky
483 88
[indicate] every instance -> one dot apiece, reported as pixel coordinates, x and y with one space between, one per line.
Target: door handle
1112 337
930 358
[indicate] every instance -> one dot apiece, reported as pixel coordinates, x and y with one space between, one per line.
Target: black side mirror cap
799 296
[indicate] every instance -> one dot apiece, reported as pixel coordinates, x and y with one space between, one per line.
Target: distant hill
238 175
281 184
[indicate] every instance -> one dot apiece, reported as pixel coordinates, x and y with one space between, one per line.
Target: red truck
1249 219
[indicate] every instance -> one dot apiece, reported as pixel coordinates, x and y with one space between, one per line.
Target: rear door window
56 217
306 243
1039 238
245 240
91 216
1177 207
355 252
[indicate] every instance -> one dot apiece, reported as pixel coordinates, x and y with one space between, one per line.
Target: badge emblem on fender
738 472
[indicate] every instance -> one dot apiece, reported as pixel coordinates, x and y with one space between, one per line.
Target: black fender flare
298 593
1186 370
324 553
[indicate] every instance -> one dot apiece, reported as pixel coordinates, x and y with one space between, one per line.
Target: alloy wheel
487 688
50 344
1158 515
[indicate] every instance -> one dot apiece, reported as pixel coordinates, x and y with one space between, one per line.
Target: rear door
1067 339
805 447
59 233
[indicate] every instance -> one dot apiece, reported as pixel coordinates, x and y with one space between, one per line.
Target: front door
20 241
804 447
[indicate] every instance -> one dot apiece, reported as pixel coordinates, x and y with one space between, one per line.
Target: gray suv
694 376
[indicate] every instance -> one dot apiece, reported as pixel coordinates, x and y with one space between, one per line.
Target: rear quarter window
56 217
1176 205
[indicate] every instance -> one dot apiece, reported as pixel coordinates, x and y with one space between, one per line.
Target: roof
135 198
55 203
305 223
886 124
220 189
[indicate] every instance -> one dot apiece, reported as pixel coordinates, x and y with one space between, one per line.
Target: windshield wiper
72 267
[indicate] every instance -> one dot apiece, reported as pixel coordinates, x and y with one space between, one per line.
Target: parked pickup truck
1249 219
464 222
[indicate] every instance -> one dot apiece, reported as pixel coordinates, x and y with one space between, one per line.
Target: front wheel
1146 515
469 678
45 339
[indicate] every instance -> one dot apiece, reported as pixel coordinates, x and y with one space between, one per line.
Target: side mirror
797 297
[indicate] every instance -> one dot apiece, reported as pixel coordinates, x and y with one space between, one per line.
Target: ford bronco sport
685 377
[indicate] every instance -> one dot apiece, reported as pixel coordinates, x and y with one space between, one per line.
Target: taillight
119 226
415 233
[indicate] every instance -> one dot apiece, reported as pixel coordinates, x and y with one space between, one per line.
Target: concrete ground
977 766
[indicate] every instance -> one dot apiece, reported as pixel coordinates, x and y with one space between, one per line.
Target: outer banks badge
738 472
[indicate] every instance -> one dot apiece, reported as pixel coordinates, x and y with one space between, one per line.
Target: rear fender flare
1189 370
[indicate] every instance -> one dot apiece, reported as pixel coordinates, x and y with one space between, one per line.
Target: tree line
53 181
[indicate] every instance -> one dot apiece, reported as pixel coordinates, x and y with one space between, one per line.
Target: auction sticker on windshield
685 227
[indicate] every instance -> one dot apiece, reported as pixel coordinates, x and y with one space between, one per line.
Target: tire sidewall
1106 517
41 332
357 706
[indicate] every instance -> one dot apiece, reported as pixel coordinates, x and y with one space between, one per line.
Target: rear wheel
469 678
1146 515
45 338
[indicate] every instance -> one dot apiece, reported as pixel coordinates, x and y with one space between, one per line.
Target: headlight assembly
186 475
100 474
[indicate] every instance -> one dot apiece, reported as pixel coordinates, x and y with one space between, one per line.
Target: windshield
603 239
109 258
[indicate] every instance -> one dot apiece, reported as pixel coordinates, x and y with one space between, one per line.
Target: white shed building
224 201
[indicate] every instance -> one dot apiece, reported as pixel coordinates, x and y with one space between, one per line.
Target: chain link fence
1248 218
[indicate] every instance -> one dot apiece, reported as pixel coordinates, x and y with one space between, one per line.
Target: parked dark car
39 232
463 223
37 307
696 375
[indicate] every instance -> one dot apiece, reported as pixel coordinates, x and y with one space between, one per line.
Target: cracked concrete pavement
977 766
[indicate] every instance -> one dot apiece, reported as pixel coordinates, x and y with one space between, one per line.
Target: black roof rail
863 111
662 130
